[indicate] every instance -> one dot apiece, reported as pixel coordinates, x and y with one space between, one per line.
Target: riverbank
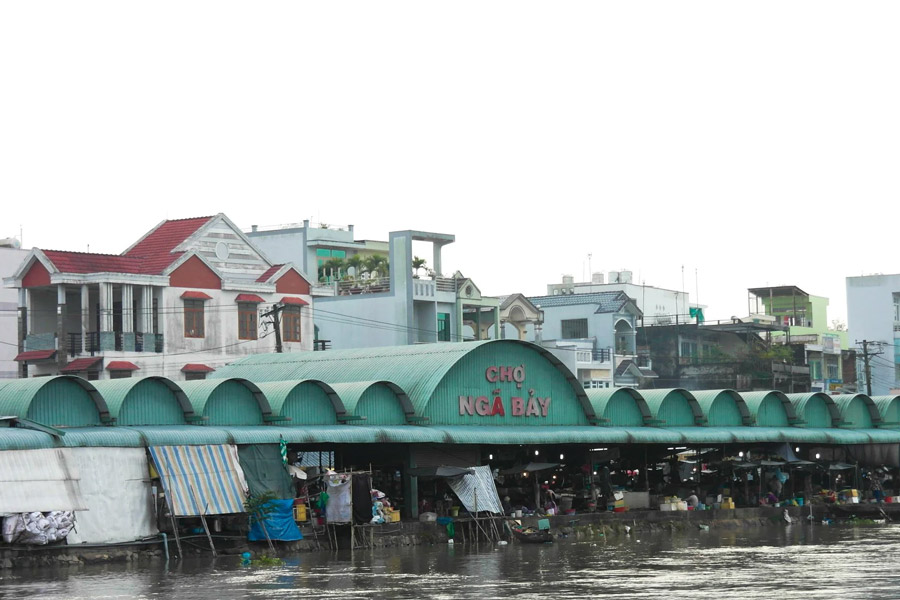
565 528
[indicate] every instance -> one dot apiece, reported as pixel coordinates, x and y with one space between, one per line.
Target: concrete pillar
106 307
62 341
411 485
29 323
147 309
23 329
85 317
496 312
127 308
436 260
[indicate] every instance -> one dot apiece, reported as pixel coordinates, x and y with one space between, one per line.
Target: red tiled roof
293 300
272 270
196 368
35 355
121 365
81 364
191 295
248 298
150 256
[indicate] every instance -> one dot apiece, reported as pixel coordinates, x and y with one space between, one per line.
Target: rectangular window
194 376
193 319
688 349
897 308
119 374
247 321
815 369
574 328
443 327
832 371
290 318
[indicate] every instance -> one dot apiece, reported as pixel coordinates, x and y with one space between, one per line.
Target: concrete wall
600 326
362 322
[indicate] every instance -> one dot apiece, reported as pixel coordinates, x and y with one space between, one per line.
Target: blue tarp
280 524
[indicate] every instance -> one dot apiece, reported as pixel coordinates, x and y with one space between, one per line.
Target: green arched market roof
723 408
304 401
770 409
816 409
674 407
420 370
60 401
619 407
145 401
889 407
379 402
230 401
857 410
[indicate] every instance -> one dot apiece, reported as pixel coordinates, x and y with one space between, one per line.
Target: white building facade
873 316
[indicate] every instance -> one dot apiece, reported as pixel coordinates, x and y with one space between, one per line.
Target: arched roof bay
723 408
145 401
889 409
770 409
303 402
816 409
673 407
619 407
60 401
858 411
231 401
376 402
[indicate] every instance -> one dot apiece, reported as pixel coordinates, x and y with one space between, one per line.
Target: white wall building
185 299
11 257
873 315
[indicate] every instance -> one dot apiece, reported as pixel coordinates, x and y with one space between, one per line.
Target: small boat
530 535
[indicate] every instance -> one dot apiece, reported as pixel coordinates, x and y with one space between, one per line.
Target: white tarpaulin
116 488
39 480
338 509
477 491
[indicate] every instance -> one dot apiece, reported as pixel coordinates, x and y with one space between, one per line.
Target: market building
171 454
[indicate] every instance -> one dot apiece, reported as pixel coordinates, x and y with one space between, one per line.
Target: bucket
799 501
454 511
518 514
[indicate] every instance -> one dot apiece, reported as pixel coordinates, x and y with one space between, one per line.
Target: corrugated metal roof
883 436
720 407
606 302
222 401
101 437
181 435
513 434
54 401
676 407
770 408
152 393
810 406
417 369
857 410
16 438
302 401
623 407
889 408
351 393
847 436
705 435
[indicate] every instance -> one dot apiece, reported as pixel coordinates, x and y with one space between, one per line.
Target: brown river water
797 561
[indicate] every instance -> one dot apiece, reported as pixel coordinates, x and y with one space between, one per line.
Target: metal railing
362 286
89 343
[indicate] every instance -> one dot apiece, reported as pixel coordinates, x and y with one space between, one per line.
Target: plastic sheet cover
477 491
199 480
116 489
280 523
265 471
39 480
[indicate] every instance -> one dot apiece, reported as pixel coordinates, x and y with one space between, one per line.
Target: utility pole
868 366
275 313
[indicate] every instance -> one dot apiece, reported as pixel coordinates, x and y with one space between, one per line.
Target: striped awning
205 480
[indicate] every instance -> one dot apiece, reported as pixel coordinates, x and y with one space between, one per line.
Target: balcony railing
362 286
91 343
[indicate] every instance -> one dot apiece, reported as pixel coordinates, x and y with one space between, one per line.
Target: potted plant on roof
417 263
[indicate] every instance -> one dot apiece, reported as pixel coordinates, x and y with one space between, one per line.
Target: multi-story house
804 319
873 318
591 333
189 296
391 304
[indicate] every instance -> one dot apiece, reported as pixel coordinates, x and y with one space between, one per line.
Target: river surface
797 561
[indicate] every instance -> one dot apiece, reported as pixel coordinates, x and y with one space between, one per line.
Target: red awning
196 368
121 365
248 298
190 295
35 355
81 364
294 300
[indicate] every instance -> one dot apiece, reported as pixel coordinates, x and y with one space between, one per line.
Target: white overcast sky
752 143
